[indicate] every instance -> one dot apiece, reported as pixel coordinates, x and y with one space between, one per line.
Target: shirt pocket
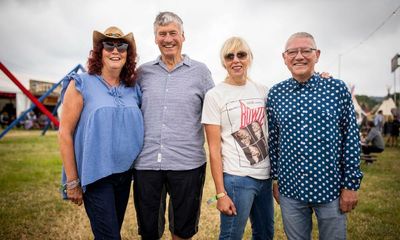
323 122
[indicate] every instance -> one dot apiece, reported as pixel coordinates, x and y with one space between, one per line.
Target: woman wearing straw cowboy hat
101 131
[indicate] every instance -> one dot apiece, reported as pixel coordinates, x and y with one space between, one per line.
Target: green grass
31 207
378 213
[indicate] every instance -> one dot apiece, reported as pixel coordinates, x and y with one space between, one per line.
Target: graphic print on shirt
250 136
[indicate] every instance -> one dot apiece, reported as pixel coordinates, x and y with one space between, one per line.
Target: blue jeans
105 203
297 219
252 198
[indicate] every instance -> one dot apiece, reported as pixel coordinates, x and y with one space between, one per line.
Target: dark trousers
105 203
371 149
185 189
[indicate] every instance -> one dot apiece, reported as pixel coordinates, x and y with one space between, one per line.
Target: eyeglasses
240 55
292 52
109 46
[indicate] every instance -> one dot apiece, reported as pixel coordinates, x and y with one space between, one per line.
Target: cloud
45 39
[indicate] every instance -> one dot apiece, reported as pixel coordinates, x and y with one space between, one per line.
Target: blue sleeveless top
109 134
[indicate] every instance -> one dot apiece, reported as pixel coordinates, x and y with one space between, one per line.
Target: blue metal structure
22 116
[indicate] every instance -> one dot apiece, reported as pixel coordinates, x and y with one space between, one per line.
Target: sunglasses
240 55
109 46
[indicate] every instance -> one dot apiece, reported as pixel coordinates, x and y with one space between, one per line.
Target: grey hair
165 18
301 35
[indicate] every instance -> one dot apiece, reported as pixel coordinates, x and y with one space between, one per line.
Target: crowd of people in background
34 121
388 126
7 115
29 122
374 132
391 130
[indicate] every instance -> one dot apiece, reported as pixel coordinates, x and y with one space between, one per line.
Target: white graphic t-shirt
240 111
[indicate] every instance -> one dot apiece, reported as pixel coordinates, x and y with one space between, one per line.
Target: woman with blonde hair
241 172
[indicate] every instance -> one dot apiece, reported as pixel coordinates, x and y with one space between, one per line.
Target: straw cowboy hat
113 33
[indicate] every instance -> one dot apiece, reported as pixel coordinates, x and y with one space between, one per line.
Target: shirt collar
311 83
186 61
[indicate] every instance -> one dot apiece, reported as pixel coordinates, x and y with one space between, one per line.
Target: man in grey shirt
373 143
173 159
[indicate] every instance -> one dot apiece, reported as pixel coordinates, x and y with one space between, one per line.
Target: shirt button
166 90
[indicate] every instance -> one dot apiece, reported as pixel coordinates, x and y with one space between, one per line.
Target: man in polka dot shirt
314 145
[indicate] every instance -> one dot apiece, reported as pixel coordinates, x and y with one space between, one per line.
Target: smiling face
301 67
113 60
238 64
169 39
236 57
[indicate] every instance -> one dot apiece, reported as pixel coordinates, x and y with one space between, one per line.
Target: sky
45 39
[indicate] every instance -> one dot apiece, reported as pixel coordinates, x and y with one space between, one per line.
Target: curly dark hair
128 73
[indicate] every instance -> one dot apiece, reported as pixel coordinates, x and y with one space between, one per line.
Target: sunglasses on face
240 55
109 46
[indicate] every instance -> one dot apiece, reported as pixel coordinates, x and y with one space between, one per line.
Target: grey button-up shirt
172 103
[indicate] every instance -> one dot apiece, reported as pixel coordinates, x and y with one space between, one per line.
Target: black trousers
371 149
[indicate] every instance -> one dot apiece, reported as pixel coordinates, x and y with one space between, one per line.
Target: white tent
387 106
22 101
360 114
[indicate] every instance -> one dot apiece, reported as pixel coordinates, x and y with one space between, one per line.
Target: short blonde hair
235 44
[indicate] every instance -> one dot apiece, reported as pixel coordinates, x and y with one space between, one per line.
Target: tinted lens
121 47
229 56
108 46
241 55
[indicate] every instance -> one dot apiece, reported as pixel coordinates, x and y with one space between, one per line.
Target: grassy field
31 206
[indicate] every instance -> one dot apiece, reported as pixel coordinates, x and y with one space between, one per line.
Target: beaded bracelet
71 184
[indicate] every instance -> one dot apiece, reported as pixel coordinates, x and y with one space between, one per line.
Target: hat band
113 35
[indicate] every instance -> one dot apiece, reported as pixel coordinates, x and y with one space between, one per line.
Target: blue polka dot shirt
314 141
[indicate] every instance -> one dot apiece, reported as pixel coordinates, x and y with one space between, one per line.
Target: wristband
216 197
220 195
